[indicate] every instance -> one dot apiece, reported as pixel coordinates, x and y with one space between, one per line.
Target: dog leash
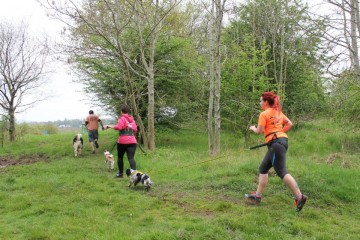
112 148
258 146
201 162
265 144
141 148
213 159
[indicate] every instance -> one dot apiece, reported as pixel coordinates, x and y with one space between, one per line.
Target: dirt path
25 159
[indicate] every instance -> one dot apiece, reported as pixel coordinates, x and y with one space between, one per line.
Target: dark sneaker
119 175
93 151
96 144
300 203
254 199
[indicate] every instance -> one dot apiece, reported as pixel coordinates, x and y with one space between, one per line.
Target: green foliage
345 98
293 41
108 47
3 131
305 94
177 82
271 45
106 74
24 129
106 80
74 123
243 80
193 196
42 128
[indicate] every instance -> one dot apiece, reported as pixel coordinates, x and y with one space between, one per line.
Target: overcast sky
67 99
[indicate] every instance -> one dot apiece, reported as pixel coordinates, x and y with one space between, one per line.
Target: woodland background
188 70
182 64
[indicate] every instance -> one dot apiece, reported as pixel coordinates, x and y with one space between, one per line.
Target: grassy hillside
54 195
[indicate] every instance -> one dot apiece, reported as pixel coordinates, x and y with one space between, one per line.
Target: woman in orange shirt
274 124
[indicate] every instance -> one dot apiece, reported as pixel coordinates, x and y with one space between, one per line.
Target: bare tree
342 36
22 61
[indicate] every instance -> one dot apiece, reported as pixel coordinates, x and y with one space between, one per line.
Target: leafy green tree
177 81
293 40
244 80
345 98
134 52
305 93
124 31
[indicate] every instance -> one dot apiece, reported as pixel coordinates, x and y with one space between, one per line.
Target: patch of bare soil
345 161
22 160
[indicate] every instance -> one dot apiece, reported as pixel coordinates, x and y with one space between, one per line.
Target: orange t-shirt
92 121
272 121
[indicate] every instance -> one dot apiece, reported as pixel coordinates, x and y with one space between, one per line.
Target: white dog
78 144
136 177
109 160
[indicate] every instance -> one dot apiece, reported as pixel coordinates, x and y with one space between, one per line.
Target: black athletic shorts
275 157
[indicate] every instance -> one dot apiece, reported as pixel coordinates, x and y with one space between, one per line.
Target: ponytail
272 99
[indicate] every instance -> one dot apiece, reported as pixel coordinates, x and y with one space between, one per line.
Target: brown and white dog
78 144
136 177
109 160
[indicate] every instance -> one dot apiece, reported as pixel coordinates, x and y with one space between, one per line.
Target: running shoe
96 144
300 203
119 175
256 199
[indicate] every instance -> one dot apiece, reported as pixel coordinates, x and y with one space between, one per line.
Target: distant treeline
70 123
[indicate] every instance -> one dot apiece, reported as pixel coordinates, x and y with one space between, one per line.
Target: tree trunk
151 113
218 21
147 61
211 85
12 135
217 12
134 107
354 36
282 36
357 22
3 129
151 85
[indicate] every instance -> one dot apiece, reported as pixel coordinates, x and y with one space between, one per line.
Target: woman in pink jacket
126 142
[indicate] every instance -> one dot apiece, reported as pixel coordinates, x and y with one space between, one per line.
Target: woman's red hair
272 99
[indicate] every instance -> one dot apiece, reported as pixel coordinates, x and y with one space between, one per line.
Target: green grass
193 196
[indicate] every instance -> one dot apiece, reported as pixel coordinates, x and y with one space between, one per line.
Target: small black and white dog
78 144
136 177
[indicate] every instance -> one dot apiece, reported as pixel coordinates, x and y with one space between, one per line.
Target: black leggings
275 157
129 149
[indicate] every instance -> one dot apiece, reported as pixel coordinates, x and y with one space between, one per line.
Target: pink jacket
128 128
